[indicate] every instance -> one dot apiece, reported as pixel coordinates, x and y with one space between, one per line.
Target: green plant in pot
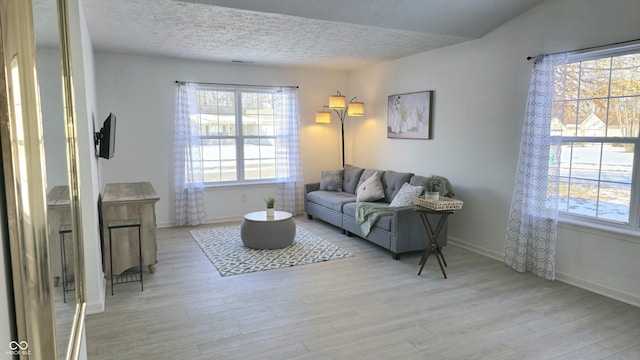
270 202
432 188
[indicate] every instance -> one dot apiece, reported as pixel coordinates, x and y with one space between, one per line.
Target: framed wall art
409 115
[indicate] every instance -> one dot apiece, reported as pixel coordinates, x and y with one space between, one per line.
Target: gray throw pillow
331 180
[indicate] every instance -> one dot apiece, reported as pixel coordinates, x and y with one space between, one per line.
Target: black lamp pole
342 114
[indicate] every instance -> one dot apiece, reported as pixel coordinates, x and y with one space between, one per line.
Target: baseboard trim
600 289
476 249
207 221
97 307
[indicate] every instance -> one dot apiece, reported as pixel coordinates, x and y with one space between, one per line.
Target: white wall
49 75
140 90
85 104
480 93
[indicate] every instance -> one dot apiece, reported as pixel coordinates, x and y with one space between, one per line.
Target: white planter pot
270 212
434 196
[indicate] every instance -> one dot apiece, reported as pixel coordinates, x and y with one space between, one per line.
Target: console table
127 201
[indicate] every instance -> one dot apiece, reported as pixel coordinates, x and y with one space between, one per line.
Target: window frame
239 136
633 224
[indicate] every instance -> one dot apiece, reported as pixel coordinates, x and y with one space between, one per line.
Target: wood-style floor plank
365 307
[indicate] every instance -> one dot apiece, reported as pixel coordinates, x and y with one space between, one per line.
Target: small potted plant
270 202
432 188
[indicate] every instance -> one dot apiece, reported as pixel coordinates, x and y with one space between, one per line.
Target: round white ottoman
261 232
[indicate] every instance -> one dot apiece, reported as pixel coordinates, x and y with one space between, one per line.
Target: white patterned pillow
405 195
371 189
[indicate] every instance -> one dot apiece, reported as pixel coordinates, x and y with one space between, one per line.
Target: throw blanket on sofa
367 214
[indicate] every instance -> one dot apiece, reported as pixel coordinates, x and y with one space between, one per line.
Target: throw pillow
405 196
371 189
331 180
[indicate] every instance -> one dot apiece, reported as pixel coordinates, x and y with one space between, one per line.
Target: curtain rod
586 48
238 85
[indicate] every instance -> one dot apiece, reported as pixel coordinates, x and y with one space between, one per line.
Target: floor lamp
339 104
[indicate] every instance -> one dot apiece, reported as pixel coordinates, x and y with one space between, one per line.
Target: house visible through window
597 114
237 133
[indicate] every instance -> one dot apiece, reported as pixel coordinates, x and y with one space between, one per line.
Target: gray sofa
399 233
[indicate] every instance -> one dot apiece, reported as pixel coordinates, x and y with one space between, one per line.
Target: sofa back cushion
351 178
392 182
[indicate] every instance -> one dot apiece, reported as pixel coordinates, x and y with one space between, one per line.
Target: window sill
235 185
599 229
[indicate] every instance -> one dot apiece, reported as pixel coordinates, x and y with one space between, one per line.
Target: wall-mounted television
106 138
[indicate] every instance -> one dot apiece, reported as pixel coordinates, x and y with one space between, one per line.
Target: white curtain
533 219
290 186
188 171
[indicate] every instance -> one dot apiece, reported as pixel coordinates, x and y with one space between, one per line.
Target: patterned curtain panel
533 219
188 170
290 184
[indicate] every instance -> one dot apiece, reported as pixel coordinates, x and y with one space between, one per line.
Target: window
237 133
597 115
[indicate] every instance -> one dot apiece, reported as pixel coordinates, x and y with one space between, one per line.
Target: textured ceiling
329 33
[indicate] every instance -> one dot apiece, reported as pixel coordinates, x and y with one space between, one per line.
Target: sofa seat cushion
384 222
333 200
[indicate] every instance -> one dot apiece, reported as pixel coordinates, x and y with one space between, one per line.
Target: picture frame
409 115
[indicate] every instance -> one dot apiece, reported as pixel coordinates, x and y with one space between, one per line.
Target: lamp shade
355 109
323 117
337 101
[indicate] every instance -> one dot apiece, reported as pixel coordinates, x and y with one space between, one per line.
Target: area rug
224 248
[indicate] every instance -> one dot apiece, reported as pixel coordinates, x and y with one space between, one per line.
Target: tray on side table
438 205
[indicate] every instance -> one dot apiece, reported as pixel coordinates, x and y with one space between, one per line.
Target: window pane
259 158
257 114
563 194
214 154
592 117
211 171
582 197
614 203
615 188
594 78
625 116
228 149
595 179
567 86
268 168
217 112
228 171
210 149
252 169
625 75
565 118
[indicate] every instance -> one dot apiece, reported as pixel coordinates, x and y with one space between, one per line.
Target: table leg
153 267
442 255
432 245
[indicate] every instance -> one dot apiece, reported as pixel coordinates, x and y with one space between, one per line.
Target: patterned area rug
224 248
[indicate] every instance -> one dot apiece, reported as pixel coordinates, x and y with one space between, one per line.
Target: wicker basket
439 205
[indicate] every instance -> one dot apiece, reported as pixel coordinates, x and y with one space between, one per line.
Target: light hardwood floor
365 307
